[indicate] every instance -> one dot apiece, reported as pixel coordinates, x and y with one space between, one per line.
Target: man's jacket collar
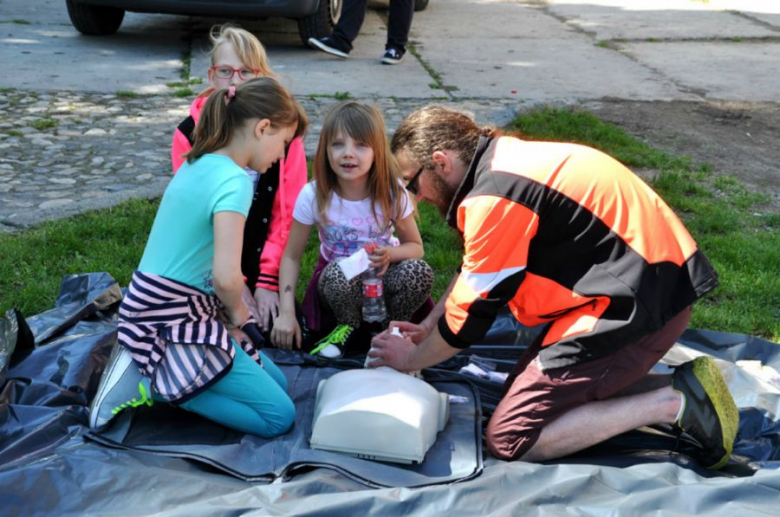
468 181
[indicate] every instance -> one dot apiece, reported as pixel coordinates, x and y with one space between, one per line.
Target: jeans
354 12
250 398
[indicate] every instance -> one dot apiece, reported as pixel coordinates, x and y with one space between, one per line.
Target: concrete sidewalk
529 51
491 57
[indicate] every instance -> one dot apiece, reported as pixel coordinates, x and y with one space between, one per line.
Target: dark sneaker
393 56
333 345
121 386
709 413
327 44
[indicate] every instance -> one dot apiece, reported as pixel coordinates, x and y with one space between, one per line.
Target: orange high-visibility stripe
496 233
547 163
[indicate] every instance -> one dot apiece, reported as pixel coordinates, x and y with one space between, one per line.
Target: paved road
69 142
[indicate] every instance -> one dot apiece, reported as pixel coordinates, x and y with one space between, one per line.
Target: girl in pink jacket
236 56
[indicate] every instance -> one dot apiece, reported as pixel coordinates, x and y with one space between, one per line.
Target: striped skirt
174 335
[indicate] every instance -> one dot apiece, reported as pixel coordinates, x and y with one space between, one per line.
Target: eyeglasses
226 72
413 183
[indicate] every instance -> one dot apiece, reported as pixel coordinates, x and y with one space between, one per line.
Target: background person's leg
248 399
353 12
399 23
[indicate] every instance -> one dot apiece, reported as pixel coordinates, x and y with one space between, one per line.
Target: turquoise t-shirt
181 243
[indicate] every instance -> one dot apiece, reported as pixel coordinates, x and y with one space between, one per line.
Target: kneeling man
568 237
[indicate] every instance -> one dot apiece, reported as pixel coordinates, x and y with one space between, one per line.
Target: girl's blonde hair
248 47
365 124
256 99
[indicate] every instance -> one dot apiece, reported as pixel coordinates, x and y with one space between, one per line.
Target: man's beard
445 193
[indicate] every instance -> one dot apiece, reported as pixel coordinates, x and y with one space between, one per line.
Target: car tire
94 20
321 23
420 5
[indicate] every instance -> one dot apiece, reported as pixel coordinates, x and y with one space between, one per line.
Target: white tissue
355 264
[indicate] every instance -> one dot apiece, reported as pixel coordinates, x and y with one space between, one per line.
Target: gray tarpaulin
163 429
50 371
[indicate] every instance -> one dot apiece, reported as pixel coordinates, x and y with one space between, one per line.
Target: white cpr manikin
378 414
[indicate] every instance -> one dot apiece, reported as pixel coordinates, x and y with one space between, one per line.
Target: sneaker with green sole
709 413
333 345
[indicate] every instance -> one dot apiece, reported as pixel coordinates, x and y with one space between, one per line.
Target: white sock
682 408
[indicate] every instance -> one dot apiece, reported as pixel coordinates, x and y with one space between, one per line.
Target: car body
316 18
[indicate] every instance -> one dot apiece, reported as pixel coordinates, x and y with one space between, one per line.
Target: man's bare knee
534 454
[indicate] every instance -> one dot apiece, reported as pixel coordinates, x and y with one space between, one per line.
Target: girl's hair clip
231 92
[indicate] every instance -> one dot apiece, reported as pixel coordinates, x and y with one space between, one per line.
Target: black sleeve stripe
187 128
451 339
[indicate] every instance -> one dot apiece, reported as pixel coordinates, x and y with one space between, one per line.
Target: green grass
438 83
126 94
35 261
585 128
732 226
185 84
183 92
13 132
186 62
443 247
44 123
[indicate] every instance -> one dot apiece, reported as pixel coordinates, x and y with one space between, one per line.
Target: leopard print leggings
407 285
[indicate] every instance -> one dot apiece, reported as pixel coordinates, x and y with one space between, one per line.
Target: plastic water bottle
374 311
394 331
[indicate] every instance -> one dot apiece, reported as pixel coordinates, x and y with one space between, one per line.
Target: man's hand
267 307
393 351
401 353
417 333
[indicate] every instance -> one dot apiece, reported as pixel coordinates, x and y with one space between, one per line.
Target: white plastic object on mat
394 331
378 414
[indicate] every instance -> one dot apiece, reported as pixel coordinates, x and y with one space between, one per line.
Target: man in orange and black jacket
565 236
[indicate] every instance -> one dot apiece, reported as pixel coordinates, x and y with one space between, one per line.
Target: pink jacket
293 174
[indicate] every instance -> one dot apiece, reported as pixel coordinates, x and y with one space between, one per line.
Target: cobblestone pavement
65 153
